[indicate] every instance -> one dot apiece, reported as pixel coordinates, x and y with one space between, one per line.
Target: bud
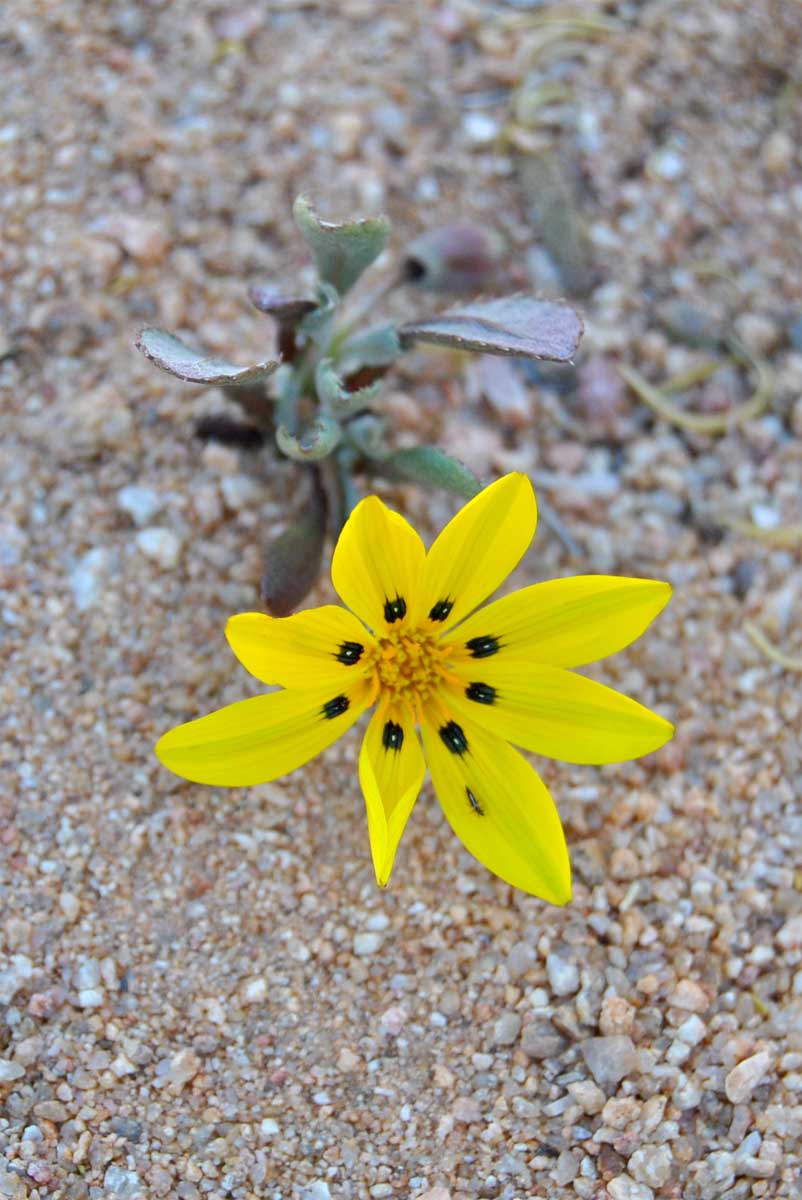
454 258
292 561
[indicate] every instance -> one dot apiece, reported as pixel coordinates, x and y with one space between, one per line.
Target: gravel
203 992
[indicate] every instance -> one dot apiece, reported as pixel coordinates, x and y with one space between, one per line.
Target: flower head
474 681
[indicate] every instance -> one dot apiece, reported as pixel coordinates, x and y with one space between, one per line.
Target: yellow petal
377 564
391 771
555 712
260 739
321 646
477 550
499 808
568 622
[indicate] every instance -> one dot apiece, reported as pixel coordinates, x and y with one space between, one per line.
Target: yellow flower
472 680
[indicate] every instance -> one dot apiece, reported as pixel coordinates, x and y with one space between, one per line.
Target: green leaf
173 355
518 325
315 440
341 252
376 347
433 467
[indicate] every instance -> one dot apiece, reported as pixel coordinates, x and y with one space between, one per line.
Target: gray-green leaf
341 252
433 467
173 355
518 325
376 347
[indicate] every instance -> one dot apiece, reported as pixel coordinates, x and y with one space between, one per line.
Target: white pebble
366 944
269 1128
563 975
10 1071
624 1187
87 576
87 974
124 1185
140 503
14 976
160 545
254 991
480 128
742 1080
319 1190
90 998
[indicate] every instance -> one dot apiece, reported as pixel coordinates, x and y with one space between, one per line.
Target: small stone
254 991
140 503
126 1127
789 936
624 864
90 998
609 1059
87 974
14 976
692 1031
268 1127
563 975
366 944
380 1191
624 1187
506 1029
689 995
466 1111
392 1021
51 1110
347 1060
566 1168
521 958
99 420
435 1193
319 1190
777 152
122 1065
620 1112
347 132
69 904
541 1040
43 1005
86 580
9 1071
144 240
183 1067
480 128
590 1098
617 1015
123 1185
240 492
742 1080
651 1165
161 546
759 332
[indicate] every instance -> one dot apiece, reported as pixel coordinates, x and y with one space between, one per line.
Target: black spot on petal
453 736
394 610
335 707
483 647
474 803
441 610
393 736
482 693
350 653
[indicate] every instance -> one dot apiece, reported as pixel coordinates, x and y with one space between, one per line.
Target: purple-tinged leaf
518 325
171 354
278 304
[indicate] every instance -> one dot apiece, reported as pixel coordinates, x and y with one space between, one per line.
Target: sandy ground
204 993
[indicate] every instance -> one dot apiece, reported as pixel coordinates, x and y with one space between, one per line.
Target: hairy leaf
173 355
432 467
341 252
518 325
